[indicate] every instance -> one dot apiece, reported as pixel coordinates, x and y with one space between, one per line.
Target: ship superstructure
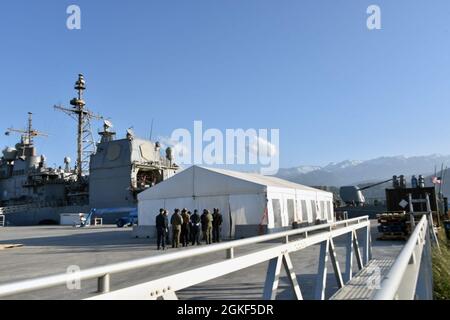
120 169
108 174
24 175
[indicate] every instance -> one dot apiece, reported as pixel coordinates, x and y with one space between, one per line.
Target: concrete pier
50 250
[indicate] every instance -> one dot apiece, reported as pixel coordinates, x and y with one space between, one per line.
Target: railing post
272 279
357 251
365 245
349 258
410 202
335 264
412 221
431 229
104 284
370 243
230 253
292 277
321 282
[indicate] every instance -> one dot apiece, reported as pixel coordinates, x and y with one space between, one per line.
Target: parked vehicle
128 221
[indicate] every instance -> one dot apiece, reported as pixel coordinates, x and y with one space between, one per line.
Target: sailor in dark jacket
162 227
204 225
195 228
166 214
185 227
217 225
176 222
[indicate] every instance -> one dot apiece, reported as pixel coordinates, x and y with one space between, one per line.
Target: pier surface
50 250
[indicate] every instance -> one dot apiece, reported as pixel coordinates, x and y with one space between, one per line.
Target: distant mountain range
358 172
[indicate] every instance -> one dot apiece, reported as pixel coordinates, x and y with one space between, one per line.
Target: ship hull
51 215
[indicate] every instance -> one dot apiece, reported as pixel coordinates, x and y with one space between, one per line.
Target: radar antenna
86 145
29 134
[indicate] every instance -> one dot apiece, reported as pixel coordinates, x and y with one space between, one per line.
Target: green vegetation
441 269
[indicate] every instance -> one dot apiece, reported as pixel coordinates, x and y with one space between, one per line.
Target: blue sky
311 68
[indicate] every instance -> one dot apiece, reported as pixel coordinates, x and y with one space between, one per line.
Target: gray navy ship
108 174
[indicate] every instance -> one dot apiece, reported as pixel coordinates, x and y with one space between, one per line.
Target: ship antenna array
29 134
86 145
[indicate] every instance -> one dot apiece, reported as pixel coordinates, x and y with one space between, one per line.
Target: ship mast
85 139
29 134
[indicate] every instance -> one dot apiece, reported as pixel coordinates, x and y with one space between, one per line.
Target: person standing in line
185 228
162 227
190 227
217 225
195 228
176 222
204 225
209 226
189 214
166 214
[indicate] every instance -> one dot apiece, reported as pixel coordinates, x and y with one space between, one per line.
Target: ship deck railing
398 279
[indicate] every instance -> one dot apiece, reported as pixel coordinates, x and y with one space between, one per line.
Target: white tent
250 203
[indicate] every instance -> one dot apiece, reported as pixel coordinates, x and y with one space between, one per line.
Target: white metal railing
17 208
2 220
410 277
32 205
277 255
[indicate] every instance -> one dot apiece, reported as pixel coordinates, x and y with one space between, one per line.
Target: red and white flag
436 180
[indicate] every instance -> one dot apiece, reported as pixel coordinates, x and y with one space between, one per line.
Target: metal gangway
407 277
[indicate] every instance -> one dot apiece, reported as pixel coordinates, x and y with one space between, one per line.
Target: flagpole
435 176
442 182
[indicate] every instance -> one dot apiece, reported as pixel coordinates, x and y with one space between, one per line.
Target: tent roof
268 181
201 181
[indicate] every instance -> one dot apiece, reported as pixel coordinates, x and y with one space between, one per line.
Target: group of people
187 227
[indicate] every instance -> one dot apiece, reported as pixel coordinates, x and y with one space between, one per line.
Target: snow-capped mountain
352 172
342 165
300 170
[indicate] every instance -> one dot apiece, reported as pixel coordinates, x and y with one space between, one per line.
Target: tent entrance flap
246 213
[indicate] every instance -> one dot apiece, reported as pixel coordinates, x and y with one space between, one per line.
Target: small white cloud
262 147
178 147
